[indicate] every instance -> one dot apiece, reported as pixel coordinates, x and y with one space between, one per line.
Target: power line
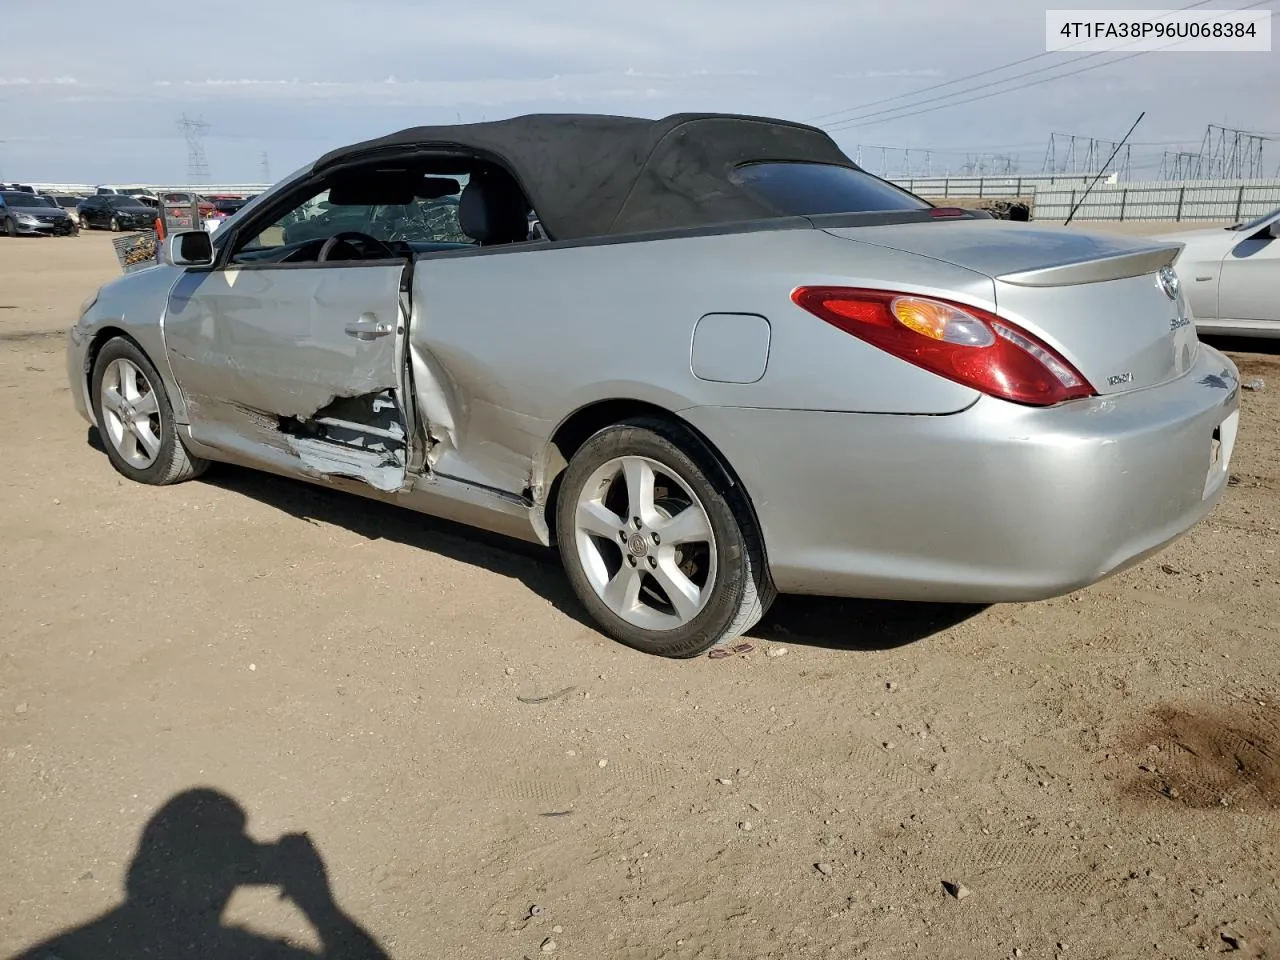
983 73
862 121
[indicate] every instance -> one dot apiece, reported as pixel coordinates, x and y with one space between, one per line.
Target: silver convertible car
708 357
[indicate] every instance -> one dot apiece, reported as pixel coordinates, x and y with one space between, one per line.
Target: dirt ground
1101 772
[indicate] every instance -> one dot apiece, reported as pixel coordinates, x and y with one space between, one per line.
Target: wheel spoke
688 526
639 476
622 592
683 593
595 518
149 441
112 400
128 380
147 405
128 445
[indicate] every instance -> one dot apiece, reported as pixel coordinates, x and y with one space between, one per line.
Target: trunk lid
1096 298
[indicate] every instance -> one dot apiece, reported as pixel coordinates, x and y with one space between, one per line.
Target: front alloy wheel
131 413
666 559
135 418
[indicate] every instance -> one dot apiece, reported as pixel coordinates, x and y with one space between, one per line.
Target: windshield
16 198
126 203
1254 224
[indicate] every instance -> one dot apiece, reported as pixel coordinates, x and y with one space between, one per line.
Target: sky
91 94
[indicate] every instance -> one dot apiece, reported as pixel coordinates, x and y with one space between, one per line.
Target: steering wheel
345 237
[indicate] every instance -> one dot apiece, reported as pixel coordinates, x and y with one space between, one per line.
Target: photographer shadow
193 855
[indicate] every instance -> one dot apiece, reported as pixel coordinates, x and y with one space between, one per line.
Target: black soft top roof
591 175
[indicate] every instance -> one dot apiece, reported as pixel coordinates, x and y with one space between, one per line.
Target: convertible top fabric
591 175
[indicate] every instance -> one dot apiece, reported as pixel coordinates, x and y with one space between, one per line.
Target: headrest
493 210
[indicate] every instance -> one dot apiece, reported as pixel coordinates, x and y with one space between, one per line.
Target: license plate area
1222 443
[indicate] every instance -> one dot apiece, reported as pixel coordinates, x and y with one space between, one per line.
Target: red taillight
961 343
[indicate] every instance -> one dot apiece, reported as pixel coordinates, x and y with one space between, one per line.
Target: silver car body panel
134 305
260 349
870 475
1232 279
997 503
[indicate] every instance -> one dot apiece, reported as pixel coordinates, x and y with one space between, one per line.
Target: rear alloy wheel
135 418
665 560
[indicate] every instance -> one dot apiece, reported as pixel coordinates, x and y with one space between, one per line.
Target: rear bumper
996 503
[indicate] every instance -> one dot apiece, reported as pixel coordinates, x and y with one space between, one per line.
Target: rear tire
135 418
663 553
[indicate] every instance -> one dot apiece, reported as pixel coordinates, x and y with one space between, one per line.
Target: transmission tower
197 164
899 162
990 165
266 168
1179 165
1227 154
1071 154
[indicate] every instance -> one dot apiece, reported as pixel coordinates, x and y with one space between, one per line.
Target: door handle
368 327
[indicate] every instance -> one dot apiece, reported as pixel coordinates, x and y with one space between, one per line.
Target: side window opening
438 205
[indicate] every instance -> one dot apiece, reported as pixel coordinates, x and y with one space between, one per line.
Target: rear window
812 189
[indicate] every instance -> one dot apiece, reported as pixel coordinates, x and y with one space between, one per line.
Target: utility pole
266 168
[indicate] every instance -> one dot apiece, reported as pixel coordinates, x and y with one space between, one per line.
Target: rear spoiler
1118 266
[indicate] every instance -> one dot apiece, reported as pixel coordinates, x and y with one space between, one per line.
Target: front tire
662 552
115 225
10 228
135 418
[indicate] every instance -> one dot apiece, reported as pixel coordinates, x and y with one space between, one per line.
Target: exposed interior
394 211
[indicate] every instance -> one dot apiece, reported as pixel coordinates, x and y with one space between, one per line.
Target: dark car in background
26 213
116 212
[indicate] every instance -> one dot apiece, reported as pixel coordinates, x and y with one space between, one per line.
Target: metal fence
994 188
1191 200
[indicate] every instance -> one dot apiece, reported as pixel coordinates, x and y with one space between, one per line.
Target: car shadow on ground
192 857
832 623
839 624
1261 346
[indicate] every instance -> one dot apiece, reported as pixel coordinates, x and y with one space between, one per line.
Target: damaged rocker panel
359 437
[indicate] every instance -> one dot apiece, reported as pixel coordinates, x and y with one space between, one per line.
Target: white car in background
1231 276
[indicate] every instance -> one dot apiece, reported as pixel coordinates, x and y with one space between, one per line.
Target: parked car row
25 211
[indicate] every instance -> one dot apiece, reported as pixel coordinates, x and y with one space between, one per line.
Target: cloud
38 82
294 76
